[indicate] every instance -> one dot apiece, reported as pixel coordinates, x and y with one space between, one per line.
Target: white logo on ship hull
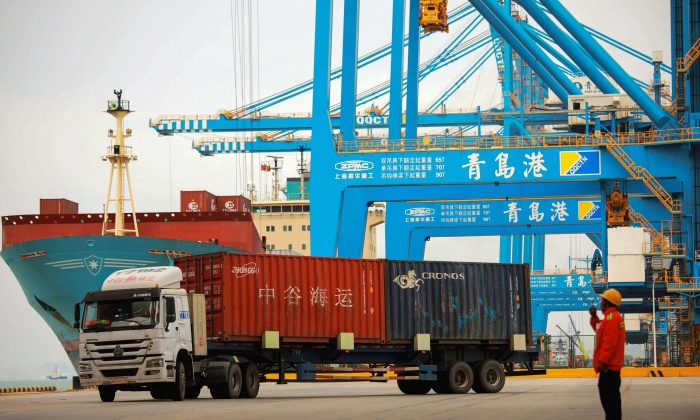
93 264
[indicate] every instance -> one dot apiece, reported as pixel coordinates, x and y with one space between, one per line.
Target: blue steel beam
658 115
619 45
396 71
404 217
349 73
570 66
454 87
507 86
225 125
567 44
413 69
526 48
322 130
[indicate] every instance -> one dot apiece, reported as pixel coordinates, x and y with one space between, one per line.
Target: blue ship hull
55 273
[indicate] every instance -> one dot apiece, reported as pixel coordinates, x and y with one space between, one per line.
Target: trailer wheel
107 393
414 387
457 379
192 392
490 377
177 390
231 389
251 381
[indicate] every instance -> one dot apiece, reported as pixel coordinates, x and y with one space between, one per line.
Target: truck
231 321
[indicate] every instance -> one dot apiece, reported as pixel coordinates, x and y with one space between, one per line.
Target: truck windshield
120 314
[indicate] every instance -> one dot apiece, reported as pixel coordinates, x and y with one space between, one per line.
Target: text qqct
354 166
250 268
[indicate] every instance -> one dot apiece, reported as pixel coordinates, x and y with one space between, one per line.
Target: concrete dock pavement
522 398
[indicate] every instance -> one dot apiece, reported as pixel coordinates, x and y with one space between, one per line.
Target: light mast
119 156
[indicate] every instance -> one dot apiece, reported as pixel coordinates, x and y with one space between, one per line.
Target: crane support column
573 50
353 221
505 249
323 244
527 49
396 78
538 253
349 78
413 65
658 116
527 250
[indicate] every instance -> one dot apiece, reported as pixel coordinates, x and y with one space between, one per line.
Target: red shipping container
57 206
306 299
233 203
197 201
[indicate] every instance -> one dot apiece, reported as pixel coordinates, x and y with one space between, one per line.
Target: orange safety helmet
612 296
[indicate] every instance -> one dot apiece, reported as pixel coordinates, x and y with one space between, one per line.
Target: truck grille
108 353
118 372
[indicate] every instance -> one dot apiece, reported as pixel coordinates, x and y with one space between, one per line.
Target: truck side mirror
76 316
169 311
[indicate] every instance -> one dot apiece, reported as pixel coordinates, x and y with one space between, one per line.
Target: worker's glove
593 311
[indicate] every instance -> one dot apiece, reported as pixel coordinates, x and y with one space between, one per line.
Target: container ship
60 254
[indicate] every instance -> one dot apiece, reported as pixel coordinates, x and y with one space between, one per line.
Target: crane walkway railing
684 64
682 284
492 141
660 243
640 172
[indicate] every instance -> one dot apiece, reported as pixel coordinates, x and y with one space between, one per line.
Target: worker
609 351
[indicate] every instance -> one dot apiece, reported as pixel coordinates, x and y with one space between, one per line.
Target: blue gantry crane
651 149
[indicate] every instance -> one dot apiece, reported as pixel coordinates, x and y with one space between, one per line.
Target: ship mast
119 157
303 170
276 166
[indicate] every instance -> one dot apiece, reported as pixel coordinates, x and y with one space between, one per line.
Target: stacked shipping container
197 201
315 299
233 203
57 206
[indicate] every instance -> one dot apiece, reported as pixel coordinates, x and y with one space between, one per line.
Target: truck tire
490 377
192 392
107 393
231 389
457 379
178 388
414 387
251 381
159 393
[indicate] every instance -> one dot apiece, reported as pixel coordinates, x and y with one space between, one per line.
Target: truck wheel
159 394
177 391
192 392
414 387
490 377
232 388
107 393
458 379
251 381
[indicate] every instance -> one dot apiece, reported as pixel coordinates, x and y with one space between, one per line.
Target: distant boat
56 374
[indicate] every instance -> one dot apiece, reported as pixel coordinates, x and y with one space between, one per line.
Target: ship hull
55 273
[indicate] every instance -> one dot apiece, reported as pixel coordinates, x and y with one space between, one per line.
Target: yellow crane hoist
433 16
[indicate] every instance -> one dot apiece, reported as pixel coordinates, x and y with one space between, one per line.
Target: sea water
60 384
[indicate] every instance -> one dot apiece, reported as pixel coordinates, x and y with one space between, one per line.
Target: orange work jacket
609 339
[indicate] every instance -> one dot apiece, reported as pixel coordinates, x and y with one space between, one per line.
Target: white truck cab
136 334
